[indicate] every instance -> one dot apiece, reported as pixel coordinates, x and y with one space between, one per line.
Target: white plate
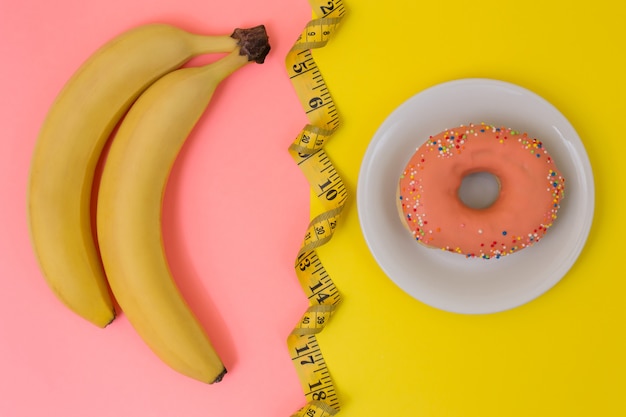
450 281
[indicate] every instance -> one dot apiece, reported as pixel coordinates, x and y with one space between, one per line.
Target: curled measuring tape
307 151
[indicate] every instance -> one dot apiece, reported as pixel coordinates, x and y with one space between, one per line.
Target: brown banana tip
110 321
219 377
253 42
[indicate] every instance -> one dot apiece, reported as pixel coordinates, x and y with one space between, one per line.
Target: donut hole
479 190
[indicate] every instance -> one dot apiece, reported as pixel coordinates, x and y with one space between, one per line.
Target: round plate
449 281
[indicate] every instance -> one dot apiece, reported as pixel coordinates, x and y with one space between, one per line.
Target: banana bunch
134 82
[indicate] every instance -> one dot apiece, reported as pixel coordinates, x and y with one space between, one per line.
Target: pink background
235 212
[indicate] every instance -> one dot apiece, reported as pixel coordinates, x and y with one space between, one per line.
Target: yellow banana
129 208
69 145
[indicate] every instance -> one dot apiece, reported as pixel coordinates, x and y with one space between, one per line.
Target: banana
133 181
68 148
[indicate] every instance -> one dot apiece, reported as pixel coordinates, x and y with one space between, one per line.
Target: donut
530 190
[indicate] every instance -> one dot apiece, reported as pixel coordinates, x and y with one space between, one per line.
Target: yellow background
562 354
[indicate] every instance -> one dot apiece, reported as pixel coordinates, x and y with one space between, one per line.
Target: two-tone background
237 207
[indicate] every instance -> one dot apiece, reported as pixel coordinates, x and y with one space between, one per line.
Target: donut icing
531 190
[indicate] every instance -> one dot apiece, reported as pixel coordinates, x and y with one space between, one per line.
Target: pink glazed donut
530 191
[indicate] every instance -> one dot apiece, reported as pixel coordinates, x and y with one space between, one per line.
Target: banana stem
225 66
252 45
253 42
212 44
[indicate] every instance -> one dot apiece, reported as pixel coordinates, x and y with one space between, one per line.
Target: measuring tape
307 151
